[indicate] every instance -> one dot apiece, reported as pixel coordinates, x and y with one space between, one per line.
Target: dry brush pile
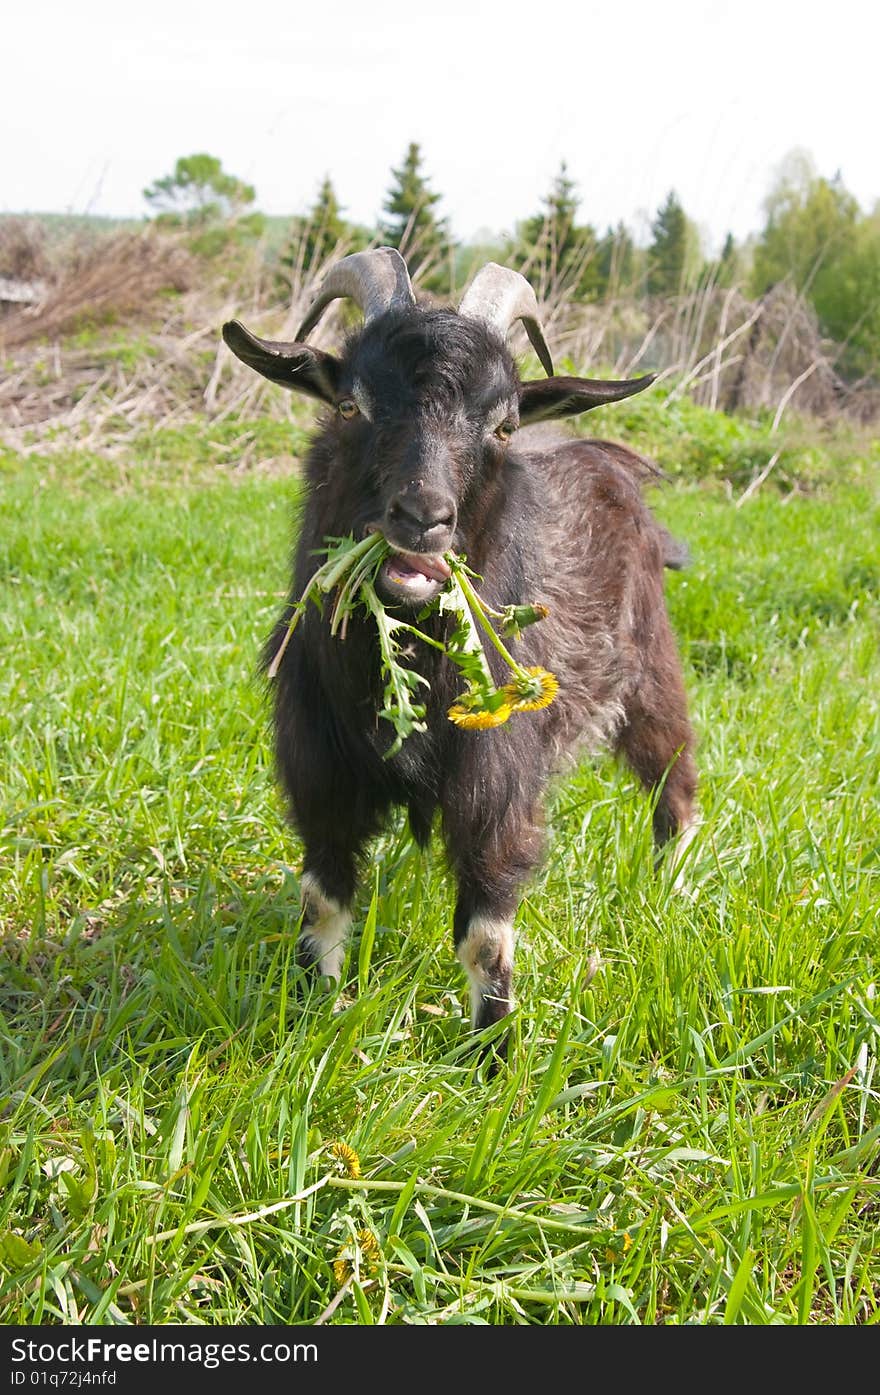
125 336
724 350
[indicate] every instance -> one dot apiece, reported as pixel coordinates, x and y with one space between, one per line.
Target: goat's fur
566 527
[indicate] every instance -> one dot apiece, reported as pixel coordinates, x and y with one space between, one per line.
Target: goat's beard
412 579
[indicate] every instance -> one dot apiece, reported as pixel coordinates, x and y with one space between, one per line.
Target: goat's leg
334 832
334 815
484 945
658 743
491 864
327 882
326 924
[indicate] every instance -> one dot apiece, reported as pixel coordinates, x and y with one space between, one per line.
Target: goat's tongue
433 566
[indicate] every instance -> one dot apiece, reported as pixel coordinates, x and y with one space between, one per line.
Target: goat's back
602 557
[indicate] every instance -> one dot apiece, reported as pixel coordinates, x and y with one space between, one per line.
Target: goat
424 404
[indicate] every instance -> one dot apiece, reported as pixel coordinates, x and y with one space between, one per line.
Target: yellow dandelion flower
370 1249
366 1247
618 1248
532 693
348 1157
479 720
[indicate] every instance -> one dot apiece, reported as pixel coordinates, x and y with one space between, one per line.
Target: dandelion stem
348 575
325 578
476 606
341 565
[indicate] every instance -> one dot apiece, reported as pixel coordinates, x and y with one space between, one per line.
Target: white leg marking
327 934
682 843
485 953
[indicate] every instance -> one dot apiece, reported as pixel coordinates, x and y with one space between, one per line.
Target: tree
816 236
412 225
199 192
727 266
849 305
554 250
674 251
616 261
327 228
810 222
314 237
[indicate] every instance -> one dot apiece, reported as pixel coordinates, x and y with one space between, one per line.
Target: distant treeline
815 237
811 275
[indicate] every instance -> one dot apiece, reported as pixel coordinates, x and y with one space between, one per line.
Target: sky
98 99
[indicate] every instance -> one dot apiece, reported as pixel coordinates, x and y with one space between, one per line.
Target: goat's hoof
306 958
493 1053
494 1057
312 977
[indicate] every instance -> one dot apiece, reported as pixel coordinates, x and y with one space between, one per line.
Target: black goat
423 404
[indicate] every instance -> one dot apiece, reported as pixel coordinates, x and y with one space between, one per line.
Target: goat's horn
501 297
376 281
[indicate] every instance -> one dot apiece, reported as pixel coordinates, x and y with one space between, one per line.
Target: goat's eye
347 408
505 430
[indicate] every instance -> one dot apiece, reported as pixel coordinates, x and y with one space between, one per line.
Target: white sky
100 97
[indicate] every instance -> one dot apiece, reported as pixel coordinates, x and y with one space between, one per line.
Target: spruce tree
616 261
412 225
727 265
554 249
325 227
669 253
315 237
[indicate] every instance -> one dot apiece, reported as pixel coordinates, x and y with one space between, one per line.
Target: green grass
688 1129
692 442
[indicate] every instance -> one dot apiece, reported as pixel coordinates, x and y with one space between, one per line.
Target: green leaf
737 1290
368 937
16 1252
363 1306
80 1193
402 1205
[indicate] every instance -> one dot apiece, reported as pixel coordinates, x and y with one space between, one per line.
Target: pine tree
554 250
616 261
327 227
412 225
726 267
313 238
670 253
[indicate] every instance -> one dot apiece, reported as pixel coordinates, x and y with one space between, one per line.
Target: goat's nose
427 514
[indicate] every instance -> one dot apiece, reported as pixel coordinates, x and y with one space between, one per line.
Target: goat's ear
295 366
548 398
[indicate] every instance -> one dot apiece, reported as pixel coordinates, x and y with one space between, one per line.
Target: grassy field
688 1129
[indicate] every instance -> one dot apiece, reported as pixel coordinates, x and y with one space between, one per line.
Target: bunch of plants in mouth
349 576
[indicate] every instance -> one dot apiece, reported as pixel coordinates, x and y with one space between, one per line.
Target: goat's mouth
412 578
